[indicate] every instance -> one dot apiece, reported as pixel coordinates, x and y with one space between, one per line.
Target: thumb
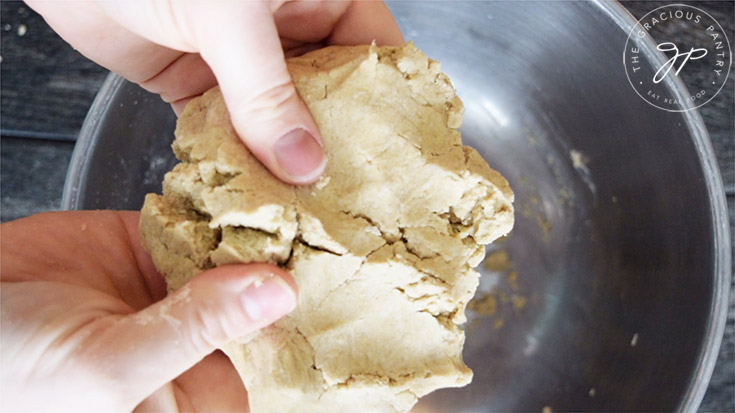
154 346
247 59
240 43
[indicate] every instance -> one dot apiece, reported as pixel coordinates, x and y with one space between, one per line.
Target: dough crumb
382 248
484 305
322 182
497 261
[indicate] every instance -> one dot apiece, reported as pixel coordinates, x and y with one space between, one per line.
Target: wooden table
47 89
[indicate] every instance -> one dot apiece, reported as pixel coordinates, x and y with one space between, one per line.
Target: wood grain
47 86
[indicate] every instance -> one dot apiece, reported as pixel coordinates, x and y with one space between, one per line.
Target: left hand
87 325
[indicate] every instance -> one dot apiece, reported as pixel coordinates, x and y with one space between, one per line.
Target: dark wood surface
47 88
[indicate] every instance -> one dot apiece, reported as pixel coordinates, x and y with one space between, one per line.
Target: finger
300 49
364 22
240 43
308 21
180 105
267 113
95 34
70 241
162 400
213 385
185 78
147 349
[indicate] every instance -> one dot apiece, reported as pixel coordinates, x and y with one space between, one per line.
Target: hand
182 48
83 328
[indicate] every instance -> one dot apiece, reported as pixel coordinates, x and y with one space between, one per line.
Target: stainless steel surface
123 149
621 245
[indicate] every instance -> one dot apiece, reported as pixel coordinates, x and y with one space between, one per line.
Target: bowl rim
715 329
709 351
76 175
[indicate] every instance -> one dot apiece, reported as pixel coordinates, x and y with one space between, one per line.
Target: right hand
180 49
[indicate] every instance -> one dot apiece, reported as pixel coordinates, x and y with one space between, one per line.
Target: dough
382 247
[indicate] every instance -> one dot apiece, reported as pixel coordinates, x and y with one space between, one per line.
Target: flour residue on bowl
580 162
498 293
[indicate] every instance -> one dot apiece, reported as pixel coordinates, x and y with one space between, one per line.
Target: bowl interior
605 299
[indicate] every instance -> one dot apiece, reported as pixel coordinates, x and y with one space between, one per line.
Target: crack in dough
382 247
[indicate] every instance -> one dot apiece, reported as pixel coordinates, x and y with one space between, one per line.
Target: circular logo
705 54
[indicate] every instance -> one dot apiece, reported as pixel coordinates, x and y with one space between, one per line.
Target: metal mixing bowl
621 242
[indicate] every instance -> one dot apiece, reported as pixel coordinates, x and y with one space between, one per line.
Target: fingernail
299 154
269 298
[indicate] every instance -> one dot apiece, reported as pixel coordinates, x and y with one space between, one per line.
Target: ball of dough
382 247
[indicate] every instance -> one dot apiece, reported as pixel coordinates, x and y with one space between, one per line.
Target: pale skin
181 48
83 326
87 324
